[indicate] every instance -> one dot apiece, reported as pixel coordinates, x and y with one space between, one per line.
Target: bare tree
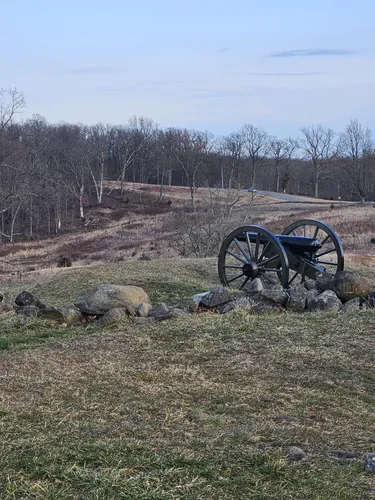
233 146
355 153
281 155
256 144
317 144
190 152
11 102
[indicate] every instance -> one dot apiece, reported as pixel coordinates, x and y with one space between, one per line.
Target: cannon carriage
304 250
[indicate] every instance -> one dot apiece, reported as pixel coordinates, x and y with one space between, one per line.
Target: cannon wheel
249 252
331 255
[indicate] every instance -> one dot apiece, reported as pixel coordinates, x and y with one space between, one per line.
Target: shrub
64 261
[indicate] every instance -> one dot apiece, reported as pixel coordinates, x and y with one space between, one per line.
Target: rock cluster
108 304
346 292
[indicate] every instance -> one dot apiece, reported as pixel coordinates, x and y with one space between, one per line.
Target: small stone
345 455
253 286
160 311
297 298
177 312
326 301
144 321
193 308
114 316
352 305
371 299
370 462
28 299
296 454
276 293
144 309
31 311
310 284
216 297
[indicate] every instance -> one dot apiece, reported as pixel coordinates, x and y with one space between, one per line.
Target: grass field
199 407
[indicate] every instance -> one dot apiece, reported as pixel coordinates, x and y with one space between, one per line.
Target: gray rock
326 301
160 312
70 315
296 454
105 297
347 285
276 293
144 310
31 311
310 284
371 299
311 294
352 305
177 312
114 316
244 303
253 286
216 297
28 299
297 298
370 463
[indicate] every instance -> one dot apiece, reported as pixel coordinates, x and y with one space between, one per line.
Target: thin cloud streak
308 73
313 52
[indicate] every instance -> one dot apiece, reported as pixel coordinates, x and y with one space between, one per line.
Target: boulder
297 298
276 293
326 301
143 321
28 299
244 303
216 297
105 297
352 305
347 285
114 316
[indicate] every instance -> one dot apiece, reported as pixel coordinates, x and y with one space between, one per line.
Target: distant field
203 406
140 226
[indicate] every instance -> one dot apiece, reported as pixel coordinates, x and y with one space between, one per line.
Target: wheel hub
250 270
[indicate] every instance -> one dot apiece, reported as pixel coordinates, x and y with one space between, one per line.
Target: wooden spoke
327 263
237 257
241 249
325 239
236 278
269 270
257 247
325 253
244 283
233 266
316 232
294 277
271 259
248 244
265 248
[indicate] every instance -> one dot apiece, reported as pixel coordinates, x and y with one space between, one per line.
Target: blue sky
206 64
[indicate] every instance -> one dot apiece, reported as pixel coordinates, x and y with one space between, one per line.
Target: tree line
50 173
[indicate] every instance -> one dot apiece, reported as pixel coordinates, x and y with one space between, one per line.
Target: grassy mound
199 407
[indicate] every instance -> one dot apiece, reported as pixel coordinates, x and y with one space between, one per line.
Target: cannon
305 249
